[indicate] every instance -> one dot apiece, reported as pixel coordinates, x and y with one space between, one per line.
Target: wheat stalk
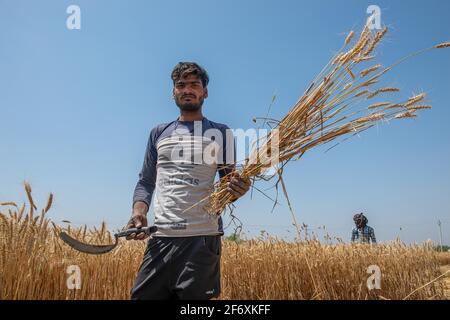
49 203
442 45
349 37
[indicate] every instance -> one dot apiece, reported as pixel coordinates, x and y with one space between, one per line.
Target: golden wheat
34 263
349 37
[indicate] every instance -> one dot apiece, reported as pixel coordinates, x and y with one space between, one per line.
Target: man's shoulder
157 130
161 126
165 129
217 125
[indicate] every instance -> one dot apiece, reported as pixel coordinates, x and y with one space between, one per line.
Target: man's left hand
238 186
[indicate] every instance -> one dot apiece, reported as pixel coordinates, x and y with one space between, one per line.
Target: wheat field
36 264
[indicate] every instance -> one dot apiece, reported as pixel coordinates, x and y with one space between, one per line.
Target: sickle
100 249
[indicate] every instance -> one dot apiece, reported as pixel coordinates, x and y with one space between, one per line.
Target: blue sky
76 106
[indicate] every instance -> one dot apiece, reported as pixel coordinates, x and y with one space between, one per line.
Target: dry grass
33 265
444 258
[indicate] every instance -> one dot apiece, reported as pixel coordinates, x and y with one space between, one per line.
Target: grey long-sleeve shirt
180 164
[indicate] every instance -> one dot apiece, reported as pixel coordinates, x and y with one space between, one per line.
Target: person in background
362 233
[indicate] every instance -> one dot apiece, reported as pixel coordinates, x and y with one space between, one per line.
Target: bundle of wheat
338 103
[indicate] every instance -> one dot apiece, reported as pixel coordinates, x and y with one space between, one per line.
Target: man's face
189 93
359 223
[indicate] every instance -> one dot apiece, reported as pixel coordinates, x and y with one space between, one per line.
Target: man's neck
191 116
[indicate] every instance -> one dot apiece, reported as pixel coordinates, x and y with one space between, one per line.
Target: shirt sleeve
353 235
372 236
147 177
229 153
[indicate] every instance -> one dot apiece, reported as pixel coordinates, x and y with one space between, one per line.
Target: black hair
183 69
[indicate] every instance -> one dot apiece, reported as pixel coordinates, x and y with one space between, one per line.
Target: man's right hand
138 220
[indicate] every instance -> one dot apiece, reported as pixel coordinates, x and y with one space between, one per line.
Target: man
362 233
182 259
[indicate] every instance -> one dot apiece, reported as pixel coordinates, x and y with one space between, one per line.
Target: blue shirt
363 235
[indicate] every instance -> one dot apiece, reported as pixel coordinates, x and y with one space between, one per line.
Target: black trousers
186 268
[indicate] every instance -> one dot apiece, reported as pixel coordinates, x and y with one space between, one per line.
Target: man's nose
188 91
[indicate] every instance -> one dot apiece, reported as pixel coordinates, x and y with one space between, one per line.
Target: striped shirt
176 173
363 235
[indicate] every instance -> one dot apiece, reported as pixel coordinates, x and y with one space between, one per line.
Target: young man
362 233
182 259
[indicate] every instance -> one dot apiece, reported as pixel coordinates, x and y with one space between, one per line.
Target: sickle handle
147 230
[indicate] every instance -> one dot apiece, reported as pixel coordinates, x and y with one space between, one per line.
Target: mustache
188 95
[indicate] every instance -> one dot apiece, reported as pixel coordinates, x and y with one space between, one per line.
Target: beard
189 106
360 225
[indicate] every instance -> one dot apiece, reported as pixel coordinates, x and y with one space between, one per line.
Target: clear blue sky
76 106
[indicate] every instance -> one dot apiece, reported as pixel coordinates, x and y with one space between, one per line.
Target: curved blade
86 248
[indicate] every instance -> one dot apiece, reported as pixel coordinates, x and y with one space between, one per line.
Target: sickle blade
86 248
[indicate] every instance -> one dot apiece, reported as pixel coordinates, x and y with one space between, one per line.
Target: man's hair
360 218
183 69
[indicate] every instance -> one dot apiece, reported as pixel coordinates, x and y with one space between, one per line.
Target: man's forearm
140 208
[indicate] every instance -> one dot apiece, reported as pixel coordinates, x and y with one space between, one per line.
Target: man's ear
173 93
206 92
